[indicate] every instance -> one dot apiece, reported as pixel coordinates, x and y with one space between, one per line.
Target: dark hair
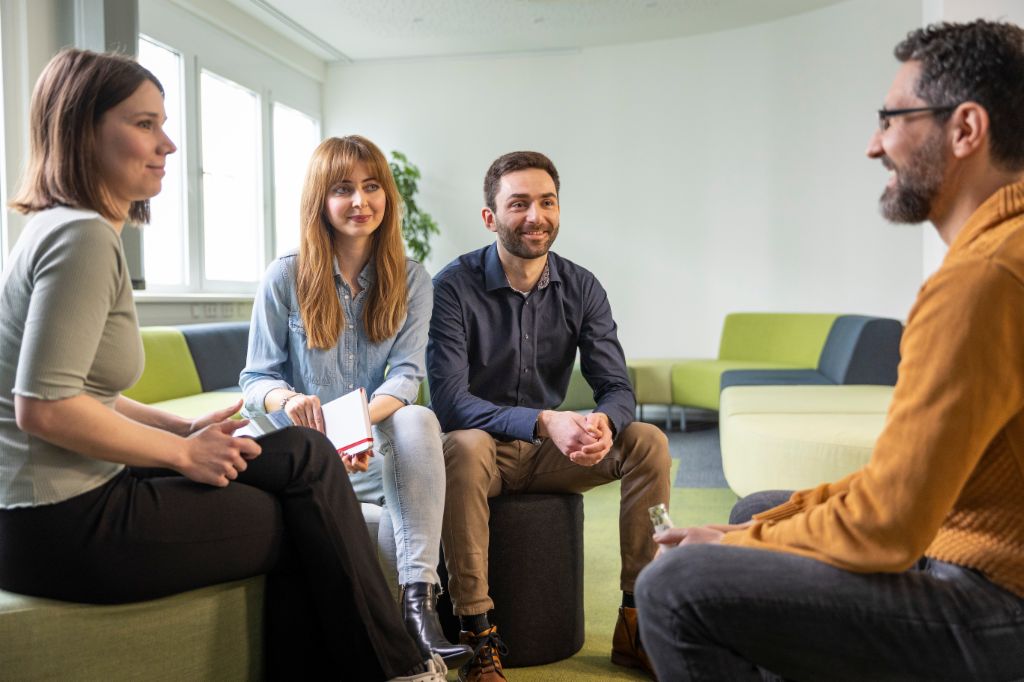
74 91
510 163
982 62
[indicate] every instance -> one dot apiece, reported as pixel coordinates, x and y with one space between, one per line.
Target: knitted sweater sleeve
960 383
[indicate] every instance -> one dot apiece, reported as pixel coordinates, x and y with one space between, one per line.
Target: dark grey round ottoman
536 577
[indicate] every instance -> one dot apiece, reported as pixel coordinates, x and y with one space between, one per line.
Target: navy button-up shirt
496 358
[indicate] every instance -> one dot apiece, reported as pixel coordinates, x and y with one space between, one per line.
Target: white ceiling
357 30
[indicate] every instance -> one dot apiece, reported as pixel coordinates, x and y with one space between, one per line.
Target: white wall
33 31
700 176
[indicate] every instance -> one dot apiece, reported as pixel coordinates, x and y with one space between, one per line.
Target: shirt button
526 371
351 357
346 297
351 385
526 336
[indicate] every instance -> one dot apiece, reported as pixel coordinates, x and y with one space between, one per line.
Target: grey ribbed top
68 328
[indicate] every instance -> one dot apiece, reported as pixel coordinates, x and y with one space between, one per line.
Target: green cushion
214 633
579 395
797 437
790 338
200 404
169 372
652 380
695 383
805 399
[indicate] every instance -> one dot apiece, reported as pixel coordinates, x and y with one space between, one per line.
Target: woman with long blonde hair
350 310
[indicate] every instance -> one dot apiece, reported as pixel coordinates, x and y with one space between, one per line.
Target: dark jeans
715 612
292 515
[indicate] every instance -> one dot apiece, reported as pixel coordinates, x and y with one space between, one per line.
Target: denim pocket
318 367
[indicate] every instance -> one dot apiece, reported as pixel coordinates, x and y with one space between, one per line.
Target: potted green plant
417 226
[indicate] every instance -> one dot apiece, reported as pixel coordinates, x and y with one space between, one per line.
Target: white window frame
204 46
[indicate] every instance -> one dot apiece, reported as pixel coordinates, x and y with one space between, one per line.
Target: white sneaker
437 671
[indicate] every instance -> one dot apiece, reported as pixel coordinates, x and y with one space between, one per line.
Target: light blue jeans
406 477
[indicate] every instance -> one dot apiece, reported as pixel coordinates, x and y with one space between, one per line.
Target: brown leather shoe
485 666
626 647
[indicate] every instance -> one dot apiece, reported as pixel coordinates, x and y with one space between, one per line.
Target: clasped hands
585 440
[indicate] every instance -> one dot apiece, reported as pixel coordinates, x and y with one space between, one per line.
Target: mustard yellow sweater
946 477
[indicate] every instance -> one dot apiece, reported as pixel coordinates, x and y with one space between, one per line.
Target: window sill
188 308
186 297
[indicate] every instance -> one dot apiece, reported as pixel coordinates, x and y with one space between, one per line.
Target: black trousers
291 515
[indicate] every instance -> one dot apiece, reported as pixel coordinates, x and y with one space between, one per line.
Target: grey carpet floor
700 458
697 449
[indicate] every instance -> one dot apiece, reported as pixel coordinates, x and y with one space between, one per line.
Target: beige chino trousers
479 467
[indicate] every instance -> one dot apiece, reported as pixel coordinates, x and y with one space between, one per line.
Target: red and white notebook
347 420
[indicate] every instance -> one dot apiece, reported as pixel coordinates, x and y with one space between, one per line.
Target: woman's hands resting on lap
141 435
214 456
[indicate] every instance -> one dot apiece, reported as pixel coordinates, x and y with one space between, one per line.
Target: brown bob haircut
386 303
74 91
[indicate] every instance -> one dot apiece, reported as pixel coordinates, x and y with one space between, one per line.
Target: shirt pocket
317 367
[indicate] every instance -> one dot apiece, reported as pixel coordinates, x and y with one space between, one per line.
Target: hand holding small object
695 535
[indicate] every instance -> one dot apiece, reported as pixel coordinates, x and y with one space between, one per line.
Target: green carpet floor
688 506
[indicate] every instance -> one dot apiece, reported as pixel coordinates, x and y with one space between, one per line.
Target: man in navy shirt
508 321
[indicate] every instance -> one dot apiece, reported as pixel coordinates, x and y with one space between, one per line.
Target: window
165 239
245 123
232 210
295 137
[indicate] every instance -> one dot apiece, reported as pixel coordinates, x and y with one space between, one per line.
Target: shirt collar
494 273
367 276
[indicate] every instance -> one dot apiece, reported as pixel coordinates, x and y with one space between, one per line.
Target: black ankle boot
419 610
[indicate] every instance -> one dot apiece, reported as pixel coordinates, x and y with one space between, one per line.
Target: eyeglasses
885 114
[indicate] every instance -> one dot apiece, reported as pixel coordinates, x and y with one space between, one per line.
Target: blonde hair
74 91
319 306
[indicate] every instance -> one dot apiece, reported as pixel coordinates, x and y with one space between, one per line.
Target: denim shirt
279 357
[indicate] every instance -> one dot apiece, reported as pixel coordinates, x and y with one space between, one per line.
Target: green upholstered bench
192 369
751 341
795 437
214 633
579 395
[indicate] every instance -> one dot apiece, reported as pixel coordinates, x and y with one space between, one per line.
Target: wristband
285 400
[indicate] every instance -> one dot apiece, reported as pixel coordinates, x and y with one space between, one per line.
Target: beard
515 244
910 199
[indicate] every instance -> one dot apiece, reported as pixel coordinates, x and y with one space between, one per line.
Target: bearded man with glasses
912 567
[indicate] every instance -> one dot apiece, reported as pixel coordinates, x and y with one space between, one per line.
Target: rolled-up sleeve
268 339
407 357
